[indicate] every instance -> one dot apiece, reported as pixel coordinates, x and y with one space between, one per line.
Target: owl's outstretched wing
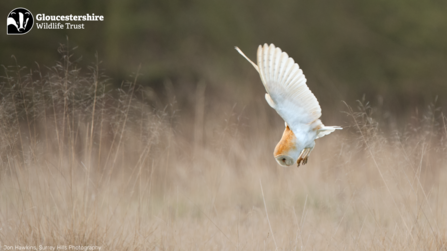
286 87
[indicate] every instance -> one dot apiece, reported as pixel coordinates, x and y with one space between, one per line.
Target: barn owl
289 95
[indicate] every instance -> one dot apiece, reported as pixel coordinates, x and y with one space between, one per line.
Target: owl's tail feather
326 130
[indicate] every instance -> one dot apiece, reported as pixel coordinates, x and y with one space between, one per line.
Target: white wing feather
288 93
286 86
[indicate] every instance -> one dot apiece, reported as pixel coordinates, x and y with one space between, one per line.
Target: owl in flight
289 95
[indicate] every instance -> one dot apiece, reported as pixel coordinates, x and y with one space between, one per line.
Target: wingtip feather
251 62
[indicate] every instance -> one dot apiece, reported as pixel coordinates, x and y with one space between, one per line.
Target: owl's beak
284 160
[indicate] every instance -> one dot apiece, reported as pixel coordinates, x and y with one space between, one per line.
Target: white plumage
289 95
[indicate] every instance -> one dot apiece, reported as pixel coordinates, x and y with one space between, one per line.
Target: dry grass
85 165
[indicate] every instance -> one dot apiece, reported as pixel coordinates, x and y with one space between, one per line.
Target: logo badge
19 21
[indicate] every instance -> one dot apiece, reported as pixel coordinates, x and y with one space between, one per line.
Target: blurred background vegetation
178 158
393 52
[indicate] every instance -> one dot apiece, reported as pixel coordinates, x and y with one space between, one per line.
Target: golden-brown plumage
286 144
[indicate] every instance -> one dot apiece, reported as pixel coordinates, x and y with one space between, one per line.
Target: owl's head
285 160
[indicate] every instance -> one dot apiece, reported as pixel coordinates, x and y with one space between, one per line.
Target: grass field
82 164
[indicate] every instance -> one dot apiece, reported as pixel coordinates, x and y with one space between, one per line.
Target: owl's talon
298 162
301 161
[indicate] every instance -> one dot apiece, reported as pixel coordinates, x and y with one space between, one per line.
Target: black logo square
19 21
